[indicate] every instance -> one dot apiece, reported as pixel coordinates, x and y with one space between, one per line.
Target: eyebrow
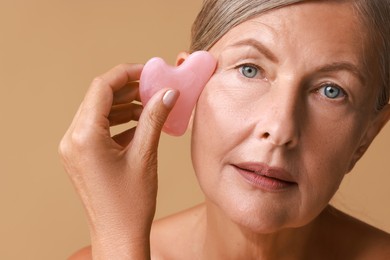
258 46
333 67
344 65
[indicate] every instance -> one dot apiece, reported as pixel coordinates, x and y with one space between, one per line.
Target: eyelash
258 68
318 90
333 85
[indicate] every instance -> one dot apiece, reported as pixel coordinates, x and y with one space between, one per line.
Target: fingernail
170 98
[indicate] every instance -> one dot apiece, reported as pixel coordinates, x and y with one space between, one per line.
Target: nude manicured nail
170 98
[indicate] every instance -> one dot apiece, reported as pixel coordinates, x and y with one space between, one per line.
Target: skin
116 177
281 118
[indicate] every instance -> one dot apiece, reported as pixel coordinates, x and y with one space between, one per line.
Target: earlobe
191 122
181 57
376 126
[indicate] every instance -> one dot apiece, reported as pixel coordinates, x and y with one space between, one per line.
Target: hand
116 177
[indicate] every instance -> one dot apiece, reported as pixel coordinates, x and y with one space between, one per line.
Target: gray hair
217 17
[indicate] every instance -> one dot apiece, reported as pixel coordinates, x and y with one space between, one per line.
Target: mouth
265 177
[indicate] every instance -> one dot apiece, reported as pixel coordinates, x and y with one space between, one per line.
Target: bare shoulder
354 238
82 254
177 231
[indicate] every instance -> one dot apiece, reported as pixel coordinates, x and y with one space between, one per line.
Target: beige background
49 52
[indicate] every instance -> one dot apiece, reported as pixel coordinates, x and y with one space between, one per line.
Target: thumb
150 124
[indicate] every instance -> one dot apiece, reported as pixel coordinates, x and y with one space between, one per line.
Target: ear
378 122
181 57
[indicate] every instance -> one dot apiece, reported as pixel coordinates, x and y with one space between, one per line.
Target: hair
217 17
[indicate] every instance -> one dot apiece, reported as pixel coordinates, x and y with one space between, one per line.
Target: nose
282 118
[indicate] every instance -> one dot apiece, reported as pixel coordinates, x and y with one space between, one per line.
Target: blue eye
332 91
249 71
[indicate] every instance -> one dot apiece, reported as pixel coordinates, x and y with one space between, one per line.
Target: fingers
97 103
108 103
127 94
124 138
146 138
124 113
120 200
89 129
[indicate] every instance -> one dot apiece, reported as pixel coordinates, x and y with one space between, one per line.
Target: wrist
120 249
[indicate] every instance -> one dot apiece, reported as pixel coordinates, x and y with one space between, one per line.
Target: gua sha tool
189 78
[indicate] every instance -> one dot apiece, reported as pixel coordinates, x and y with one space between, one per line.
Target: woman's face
286 115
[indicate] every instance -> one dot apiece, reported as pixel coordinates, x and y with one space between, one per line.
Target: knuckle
73 149
66 155
98 80
79 140
63 148
72 144
122 66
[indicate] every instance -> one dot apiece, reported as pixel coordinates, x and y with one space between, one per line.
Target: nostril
266 135
287 142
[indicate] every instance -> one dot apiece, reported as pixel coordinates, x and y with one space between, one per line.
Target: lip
265 177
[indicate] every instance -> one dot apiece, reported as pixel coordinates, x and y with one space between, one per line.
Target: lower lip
265 183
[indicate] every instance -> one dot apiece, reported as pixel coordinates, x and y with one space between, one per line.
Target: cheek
327 149
224 115
219 117
225 106
224 120
217 130
210 129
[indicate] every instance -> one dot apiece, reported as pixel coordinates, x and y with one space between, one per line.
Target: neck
225 239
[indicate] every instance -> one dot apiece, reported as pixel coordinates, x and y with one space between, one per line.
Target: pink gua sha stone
189 78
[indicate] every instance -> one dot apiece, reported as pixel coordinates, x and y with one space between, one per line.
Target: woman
300 91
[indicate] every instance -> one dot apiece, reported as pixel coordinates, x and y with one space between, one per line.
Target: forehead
311 27
311 34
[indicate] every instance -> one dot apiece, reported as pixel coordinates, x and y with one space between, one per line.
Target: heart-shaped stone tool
189 78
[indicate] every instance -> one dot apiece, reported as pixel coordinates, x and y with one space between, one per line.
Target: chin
263 217
260 220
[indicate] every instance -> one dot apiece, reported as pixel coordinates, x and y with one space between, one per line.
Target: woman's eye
249 71
331 91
